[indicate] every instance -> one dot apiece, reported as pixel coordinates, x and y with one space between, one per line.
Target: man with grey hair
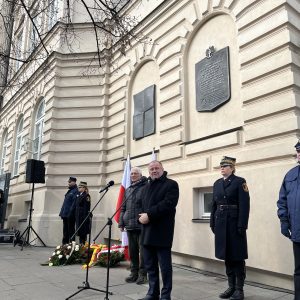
131 208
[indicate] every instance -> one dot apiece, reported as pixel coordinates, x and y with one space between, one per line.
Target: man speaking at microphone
129 215
158 219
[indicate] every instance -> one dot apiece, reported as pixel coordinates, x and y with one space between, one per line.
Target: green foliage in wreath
115 258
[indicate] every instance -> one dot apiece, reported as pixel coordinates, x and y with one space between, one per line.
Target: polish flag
124 185
153 155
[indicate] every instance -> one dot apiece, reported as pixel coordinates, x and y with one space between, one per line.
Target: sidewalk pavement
23 278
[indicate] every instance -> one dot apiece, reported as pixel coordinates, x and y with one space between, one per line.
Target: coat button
224 197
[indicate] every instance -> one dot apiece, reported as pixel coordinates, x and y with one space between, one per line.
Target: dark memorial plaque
144 113
212 80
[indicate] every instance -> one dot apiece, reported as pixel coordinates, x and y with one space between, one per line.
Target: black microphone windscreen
111 183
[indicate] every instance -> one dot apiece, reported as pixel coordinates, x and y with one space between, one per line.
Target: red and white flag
124 185
153 155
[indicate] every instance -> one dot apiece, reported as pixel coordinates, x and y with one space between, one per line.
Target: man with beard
130 211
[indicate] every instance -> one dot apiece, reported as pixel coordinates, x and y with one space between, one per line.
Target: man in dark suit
229 222
158 219
67 212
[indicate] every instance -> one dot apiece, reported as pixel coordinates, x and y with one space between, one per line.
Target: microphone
111 183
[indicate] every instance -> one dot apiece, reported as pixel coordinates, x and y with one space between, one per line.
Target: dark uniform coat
289 202
82 208
67 210
161 198
229 243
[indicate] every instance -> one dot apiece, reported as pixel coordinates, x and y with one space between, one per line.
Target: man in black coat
129 215
229 222
158 219
67 211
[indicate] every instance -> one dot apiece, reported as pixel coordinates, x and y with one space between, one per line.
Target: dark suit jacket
82 208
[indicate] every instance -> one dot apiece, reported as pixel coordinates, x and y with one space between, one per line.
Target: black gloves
242 231
285 229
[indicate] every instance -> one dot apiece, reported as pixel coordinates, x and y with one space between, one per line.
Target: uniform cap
297 146
82 183
227 161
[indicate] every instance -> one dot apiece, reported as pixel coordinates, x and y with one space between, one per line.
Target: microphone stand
86 285
109 224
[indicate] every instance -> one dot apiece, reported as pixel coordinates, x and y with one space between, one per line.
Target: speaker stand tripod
24 237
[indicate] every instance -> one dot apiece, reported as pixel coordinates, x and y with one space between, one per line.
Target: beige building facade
83 125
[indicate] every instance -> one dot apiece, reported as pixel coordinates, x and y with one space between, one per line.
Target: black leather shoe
142 279
228 293
237 295
148 298
132 278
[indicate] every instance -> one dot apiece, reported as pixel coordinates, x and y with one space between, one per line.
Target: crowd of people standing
148 215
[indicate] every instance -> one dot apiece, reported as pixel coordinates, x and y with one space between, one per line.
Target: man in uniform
288 213
229 222
67 212
158 219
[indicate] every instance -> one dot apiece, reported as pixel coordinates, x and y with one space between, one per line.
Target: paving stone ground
23 278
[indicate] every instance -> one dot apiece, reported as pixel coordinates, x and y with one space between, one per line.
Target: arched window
38 130
18 146
52 13
3 152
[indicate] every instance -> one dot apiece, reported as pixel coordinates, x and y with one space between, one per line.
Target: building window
3 153
52 13
144 113
17 42
18 50
38 130
34 39
19 140
202 203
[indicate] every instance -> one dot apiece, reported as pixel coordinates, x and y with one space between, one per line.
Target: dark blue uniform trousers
154 257
68 230
296 248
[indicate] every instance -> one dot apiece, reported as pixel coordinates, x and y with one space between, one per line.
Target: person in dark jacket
288 205
229 222
82 209
67 212
158 219
1 196
130 211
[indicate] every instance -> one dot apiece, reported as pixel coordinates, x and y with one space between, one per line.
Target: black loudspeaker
35 171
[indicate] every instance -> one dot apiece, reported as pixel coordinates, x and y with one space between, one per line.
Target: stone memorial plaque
212 80
144 113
